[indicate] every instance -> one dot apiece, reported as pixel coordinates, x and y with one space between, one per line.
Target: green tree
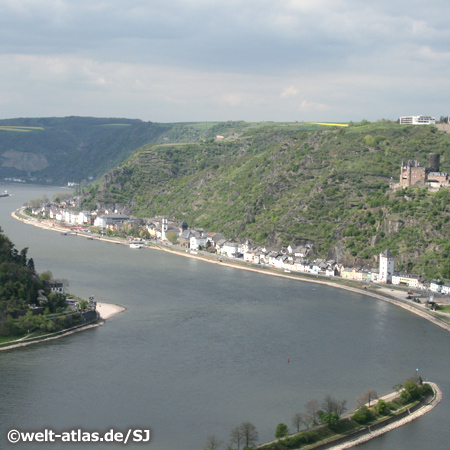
83 305
329 419
172 236
281 431
410 392
363 415
382 407
46 276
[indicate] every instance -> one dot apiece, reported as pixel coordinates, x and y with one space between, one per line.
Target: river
202 348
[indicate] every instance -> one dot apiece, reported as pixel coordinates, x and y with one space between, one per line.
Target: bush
363 415
382 408
425 390
281 431
411 392
391 406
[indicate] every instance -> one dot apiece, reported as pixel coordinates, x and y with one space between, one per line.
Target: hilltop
279 184
70 149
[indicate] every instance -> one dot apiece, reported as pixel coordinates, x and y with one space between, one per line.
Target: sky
208 60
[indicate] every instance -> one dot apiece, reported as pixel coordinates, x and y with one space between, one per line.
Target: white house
436 286
230 249
198 240
445 289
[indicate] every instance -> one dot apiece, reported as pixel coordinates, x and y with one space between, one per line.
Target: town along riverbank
381 292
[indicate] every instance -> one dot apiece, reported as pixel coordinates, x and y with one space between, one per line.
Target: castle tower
434 162
386 266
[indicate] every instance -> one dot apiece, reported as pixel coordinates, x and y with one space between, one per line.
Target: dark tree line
19 283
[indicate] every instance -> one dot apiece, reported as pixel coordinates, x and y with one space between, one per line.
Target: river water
202 348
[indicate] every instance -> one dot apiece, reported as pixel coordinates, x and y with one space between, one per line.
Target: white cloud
290 91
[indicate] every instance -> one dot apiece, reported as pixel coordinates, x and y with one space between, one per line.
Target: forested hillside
70 149
278 184
19 283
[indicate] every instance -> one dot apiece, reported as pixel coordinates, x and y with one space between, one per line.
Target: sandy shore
107 310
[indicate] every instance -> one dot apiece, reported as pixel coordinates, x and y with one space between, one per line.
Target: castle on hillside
413 174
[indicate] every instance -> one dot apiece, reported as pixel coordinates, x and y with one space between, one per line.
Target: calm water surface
202 348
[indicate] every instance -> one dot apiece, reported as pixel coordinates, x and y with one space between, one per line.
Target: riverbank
105 311
427 407
380 292
372 431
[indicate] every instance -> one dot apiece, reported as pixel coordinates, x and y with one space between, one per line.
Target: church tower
163 229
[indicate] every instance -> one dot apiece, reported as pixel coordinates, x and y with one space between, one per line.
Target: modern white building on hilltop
386 267
417 120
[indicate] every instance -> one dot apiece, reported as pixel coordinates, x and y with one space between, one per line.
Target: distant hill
70 149
280 184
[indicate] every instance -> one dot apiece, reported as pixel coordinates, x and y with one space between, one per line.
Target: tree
172 236
398 387
363 415
411 391
212 443
332 406
236 437
311 416
46 276
84 304
367 397
297 421
329 419
382 408
281 431
249 433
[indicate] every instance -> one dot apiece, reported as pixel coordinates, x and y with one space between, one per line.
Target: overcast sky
197 60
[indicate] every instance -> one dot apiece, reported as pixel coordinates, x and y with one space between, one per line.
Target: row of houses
291 258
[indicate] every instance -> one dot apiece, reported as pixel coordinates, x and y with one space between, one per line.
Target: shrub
281 431
363 415
425 390
382 407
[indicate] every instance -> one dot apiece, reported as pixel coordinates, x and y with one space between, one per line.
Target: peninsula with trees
33 305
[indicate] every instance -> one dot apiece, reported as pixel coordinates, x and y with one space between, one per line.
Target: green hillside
59 150
285 183
19 283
